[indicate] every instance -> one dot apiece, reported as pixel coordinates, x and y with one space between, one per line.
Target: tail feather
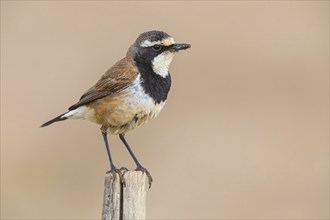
58 118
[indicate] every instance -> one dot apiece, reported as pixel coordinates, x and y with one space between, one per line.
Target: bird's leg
113 169
139 166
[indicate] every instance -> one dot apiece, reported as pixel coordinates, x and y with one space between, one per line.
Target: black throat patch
156 86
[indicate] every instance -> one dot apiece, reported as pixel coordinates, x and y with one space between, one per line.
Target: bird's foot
114 171
124 169
144 170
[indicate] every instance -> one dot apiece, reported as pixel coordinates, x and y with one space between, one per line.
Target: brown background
244 133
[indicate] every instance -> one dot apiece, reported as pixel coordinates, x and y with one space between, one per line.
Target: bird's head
155 49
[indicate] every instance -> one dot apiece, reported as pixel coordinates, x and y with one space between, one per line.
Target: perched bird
130 93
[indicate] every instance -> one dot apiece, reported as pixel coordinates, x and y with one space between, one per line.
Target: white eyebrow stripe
166 42
148 43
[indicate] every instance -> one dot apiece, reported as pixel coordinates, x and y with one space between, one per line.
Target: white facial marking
148 43
166 42
161 63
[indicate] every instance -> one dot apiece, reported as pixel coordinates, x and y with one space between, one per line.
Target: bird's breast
140 103
126 110
155 78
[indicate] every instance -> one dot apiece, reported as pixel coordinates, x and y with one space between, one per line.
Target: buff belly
118 115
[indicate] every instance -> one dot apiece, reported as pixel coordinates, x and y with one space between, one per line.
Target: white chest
140 103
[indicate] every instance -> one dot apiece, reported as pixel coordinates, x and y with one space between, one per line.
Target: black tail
58 118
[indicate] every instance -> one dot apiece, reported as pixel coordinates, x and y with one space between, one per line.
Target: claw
123 169
115 171
144 170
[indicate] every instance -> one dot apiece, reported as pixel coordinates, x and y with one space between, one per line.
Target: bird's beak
176 47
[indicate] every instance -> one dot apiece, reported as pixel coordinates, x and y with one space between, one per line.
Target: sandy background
244 133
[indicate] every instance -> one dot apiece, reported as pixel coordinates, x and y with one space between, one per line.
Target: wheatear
131 92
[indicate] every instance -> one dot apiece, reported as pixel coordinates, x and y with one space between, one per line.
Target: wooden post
112 197
127 202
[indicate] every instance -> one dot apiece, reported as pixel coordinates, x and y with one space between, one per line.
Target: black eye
157 47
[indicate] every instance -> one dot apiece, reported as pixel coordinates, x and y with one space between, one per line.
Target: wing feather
117 78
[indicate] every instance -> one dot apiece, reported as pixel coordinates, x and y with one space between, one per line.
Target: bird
129 94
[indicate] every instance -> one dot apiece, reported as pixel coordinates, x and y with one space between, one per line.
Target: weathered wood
111 198
135 195
127 202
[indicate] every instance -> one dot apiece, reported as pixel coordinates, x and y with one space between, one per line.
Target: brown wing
116 79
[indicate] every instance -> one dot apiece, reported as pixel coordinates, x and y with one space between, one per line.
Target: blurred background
244 133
